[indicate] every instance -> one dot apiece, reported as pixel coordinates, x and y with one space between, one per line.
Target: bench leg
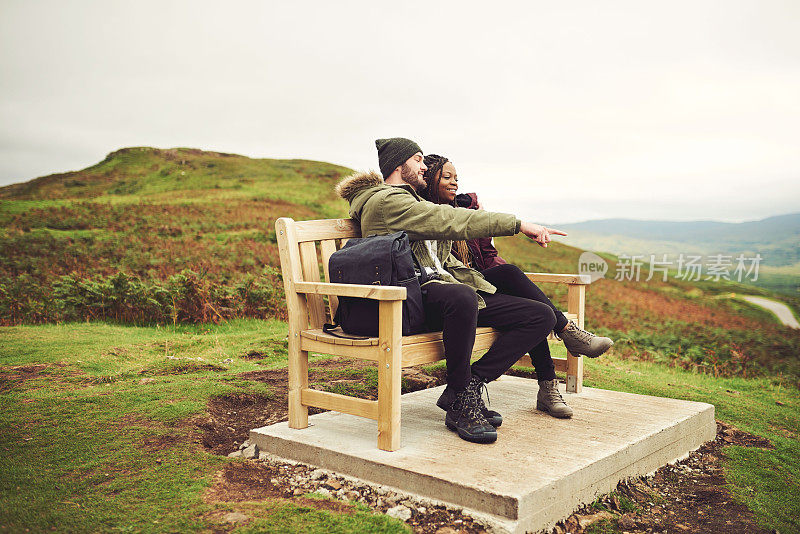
576 303
574 373
390 345
298 380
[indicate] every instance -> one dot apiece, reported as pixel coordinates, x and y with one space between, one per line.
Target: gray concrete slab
538 471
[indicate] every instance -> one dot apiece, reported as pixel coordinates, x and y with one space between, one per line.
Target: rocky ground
689 496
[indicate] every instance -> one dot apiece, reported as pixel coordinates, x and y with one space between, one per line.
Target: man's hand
537 232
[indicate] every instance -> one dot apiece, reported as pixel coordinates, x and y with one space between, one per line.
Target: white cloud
682 110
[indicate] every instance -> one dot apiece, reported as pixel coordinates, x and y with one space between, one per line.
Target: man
460 298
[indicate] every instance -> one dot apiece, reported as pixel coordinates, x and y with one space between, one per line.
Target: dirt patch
180 366
733 436
245 482
689 496
15 376
269 479
251 481
154 436
230 418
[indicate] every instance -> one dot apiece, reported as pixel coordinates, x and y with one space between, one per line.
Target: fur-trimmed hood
360 188
350 185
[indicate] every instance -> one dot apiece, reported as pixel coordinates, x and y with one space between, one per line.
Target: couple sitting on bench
417 195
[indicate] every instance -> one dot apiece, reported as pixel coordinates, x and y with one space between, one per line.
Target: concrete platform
539 470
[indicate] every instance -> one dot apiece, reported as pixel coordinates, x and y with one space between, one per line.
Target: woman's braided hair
433 176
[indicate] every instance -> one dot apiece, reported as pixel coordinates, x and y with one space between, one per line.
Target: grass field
101 434
115 279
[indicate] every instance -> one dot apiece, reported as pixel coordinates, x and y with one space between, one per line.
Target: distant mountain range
777 238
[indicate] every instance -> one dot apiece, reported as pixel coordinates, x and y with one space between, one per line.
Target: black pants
510 279
524 325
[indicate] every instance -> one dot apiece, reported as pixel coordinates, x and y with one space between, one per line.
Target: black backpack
379 260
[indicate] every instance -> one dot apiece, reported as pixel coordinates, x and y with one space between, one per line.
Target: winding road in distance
778 308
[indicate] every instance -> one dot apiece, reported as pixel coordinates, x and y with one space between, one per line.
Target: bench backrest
305 248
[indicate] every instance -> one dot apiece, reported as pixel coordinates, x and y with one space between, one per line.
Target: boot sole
562 416
492 420
484 437
597 355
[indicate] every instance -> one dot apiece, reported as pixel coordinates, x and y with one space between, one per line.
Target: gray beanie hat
393 152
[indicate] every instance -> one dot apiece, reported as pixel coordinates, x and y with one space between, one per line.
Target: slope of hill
695 325
777 239
174 236
154 173
155 235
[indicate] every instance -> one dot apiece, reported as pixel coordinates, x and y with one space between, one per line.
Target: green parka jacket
383 209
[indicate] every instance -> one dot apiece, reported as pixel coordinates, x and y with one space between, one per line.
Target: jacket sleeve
490 255
466 200
485 254
425 220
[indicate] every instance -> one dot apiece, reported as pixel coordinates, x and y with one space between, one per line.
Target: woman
480 254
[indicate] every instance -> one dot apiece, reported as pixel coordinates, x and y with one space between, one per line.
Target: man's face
412 170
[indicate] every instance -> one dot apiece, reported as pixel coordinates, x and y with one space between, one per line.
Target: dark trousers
523 324
510 279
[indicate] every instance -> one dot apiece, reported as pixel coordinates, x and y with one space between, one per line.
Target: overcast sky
556 111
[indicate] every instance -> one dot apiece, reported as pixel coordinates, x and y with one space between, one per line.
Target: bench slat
322 229
433 351
408 341
352 290
361 352
319 335
316 306
328 247
581 279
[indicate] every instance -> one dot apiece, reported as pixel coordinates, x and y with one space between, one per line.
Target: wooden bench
306 296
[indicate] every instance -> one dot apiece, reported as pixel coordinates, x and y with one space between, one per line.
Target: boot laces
552 392
481 389
473 400
581 334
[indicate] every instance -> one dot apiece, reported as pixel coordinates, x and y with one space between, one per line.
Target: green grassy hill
169 237
154 236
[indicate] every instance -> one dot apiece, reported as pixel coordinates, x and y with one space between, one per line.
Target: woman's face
448 185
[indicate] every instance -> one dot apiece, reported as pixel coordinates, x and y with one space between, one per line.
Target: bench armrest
352 290
573 279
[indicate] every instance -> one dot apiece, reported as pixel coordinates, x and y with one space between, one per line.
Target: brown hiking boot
580 342
549 400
